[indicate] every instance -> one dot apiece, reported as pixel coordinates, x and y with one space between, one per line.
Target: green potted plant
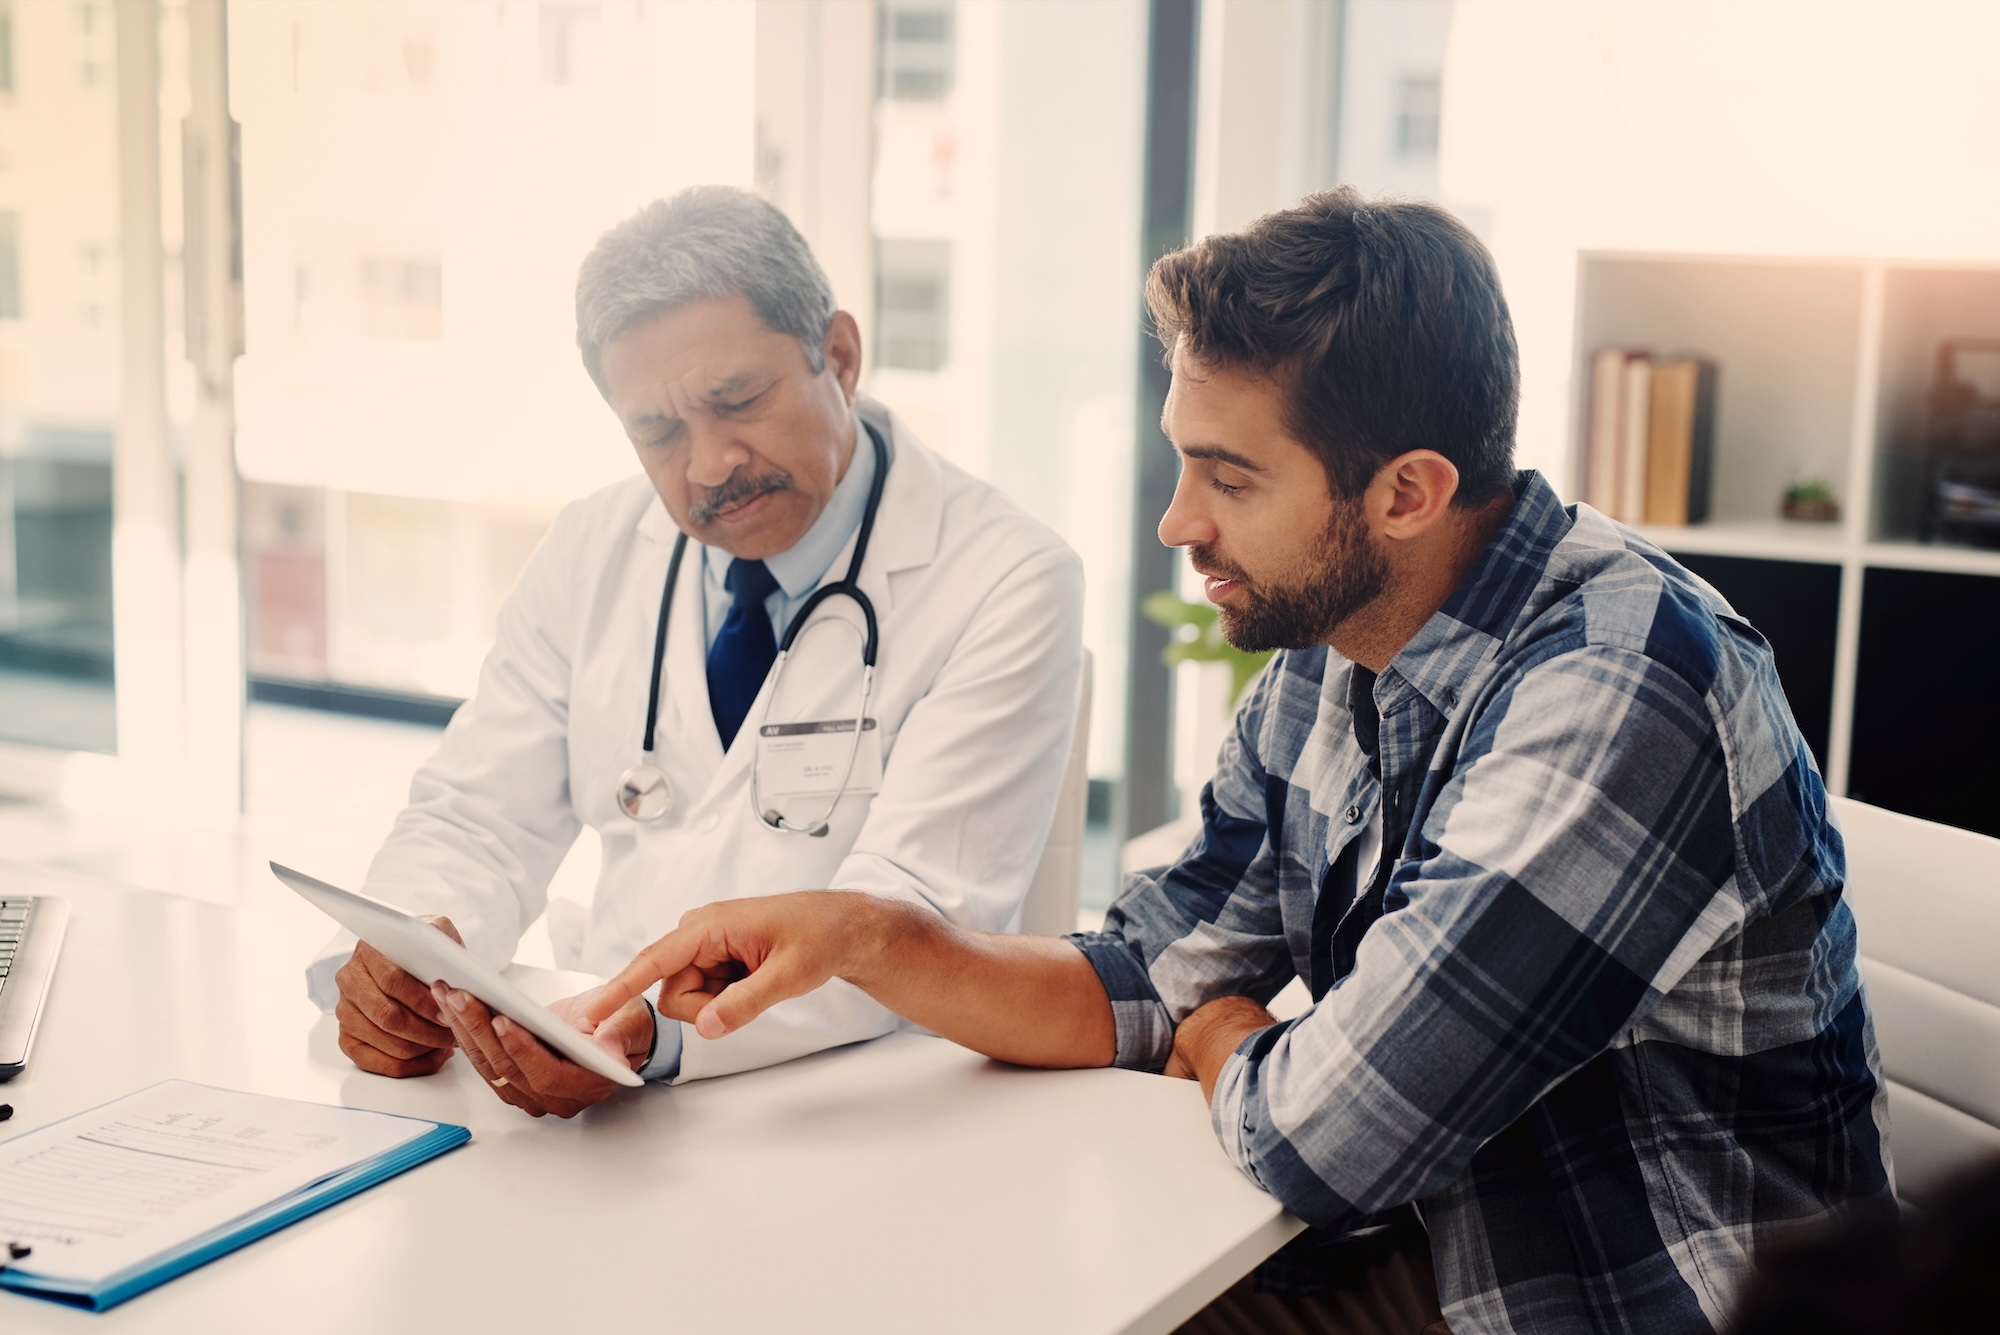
1196 631
1811 501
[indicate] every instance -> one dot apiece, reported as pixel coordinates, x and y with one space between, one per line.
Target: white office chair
1927 901
1051 905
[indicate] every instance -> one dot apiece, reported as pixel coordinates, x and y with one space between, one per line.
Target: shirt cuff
665 1063
1145 1032
1226 1111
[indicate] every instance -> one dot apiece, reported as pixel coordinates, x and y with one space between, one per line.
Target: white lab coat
975 695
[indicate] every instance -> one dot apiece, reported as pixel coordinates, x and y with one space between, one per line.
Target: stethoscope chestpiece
644 793
773 818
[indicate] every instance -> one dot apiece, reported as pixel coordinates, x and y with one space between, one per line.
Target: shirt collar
1475 620
800 567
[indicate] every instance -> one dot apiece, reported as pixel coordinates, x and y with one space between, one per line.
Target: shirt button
1353 815
708 823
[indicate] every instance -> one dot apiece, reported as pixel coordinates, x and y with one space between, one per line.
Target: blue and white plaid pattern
1598 1015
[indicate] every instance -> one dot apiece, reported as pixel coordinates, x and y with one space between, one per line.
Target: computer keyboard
31 934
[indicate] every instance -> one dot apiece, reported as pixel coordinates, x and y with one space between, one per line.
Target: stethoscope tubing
848 586
660 641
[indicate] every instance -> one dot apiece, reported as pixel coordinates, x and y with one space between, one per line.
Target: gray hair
707 241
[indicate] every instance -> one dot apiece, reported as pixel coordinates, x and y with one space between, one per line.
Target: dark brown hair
1382 322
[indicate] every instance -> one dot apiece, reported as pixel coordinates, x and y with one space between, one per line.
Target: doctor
631 684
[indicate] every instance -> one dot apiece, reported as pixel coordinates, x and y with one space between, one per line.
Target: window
402 298
912 303
916 50
10 266
1419 104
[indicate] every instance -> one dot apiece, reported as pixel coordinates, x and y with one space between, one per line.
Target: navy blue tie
744 650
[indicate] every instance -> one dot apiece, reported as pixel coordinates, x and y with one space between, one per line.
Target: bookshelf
1889 647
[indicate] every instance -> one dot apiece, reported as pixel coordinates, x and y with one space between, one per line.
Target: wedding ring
501 1081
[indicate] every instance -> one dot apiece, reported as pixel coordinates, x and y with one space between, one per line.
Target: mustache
1211 562
735 490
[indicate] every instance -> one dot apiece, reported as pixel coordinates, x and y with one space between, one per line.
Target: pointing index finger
661 960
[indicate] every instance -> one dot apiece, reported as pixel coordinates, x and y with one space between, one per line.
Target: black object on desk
31 935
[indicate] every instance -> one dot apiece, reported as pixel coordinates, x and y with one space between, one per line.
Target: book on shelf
1635 398
1680 441
1649 453
1607 418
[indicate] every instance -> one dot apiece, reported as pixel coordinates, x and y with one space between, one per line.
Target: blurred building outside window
402 298
421 180
1004 207
917 50
1418 112
10 265
912 303
59 373
6 47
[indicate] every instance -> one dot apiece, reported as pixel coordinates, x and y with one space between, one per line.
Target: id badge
806 759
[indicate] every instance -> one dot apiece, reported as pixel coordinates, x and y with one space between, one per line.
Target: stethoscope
645 793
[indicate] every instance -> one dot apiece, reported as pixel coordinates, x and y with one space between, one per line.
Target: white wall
1852 127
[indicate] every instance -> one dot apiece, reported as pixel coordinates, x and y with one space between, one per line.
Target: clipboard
334 1153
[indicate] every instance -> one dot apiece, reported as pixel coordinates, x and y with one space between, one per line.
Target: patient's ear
1410 494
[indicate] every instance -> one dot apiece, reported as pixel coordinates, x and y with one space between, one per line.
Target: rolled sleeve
1145 1031
1205 926
1227 1110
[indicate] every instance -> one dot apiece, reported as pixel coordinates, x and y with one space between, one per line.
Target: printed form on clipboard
128 1195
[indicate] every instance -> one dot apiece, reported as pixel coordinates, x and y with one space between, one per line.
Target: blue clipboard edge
225 1238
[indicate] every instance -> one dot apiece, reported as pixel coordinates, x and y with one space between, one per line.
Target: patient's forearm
1031 1000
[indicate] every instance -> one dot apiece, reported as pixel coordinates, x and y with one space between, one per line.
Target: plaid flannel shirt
1596 1015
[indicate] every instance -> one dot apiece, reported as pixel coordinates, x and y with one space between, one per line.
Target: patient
1519 798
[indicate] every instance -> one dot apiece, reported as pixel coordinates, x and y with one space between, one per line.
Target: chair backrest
1051 905
1926 899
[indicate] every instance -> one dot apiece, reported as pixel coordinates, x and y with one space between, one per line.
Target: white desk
901 1185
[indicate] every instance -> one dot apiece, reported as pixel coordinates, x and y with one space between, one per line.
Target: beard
1342 572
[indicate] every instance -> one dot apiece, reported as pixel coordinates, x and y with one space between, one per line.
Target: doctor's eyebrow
646 424
1219 455
734 386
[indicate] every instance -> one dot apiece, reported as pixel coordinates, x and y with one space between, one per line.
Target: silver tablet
431 955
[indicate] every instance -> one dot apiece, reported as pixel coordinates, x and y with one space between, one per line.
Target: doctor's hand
389 1022
522 1071
729 962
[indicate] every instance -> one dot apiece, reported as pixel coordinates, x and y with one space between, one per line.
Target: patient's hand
522 1071
1204 1041
389 1022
